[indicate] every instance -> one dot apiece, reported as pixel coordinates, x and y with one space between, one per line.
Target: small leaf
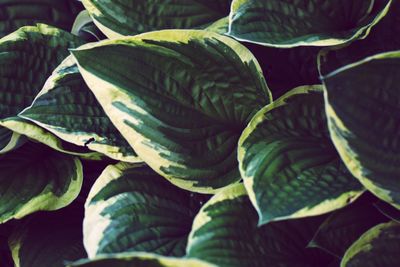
378 247
17 13
225 233
289 165
338 232
67 108
27 58
127 17
140 259
34 177
363 110
182 112
48 239
131 208
309 22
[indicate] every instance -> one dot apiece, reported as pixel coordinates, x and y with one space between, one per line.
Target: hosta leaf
27 58
134 209
225 233
385 36
48 239
34 177
182 112
17 13
126 17
85 28
293 23
289 165
363 110
378 247
139 260
338 232
23 127
286 69
68 109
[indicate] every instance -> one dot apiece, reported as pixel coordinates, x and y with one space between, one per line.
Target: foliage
200 133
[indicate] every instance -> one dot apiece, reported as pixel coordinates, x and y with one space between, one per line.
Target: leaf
388 210
27 58
67 108
121 18
309 22
225 233
17 13
131 208
385 36
48 239
378 247
34 178
85 28
289 166
339 231
362 106
25 128
139 260
182 112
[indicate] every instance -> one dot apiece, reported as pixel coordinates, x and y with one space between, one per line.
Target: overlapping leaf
17 13
134 209
27 58
288 163
118 18
225 233
34 177
139 260
48 240
339 231
67 108
307 22
384 36
363 110
379 246
181 111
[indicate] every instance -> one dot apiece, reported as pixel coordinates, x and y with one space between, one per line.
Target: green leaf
384 36
140 259
309 22
127 17
182 112
378 247
85 28
132 208
289 165
67 108
27 58
25 128
17 13
34 177
363 110
48 239
225 233
339 231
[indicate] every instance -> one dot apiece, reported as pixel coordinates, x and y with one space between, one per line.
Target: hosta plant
200 133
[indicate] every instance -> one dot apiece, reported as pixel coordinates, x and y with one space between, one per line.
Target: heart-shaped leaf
182 112
118 18
289 165
67 108
306 22
225 233
132 208
378 247
363 110
34 177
